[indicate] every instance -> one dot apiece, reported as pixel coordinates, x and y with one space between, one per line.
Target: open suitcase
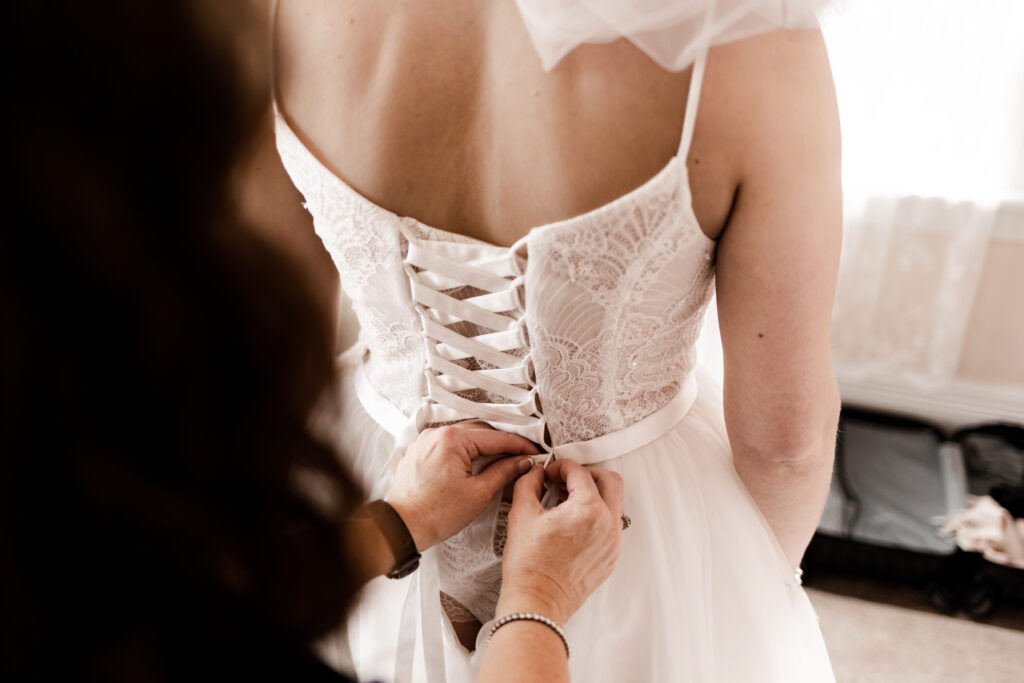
894 478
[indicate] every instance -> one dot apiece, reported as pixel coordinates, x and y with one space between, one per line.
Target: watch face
404 569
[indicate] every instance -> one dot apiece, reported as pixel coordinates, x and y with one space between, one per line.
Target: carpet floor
875 643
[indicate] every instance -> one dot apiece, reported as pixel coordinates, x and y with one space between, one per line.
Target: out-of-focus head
160 362
120 87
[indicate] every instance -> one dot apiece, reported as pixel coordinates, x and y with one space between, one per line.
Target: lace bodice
610 301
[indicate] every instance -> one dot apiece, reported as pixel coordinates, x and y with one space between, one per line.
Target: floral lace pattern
614 302
471 569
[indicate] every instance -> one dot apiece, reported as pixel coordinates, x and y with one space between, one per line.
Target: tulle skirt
701 593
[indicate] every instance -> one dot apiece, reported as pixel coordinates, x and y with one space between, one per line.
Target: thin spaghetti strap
271 53
692 100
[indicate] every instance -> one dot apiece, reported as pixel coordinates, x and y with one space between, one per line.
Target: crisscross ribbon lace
492 363
493 366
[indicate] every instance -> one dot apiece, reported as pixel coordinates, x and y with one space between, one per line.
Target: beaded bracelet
530 616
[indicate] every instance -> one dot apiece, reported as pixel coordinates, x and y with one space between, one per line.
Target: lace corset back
583 327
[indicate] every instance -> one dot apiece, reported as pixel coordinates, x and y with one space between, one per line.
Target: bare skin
441 111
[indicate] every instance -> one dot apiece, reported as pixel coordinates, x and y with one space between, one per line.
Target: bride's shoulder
772 56
767 93
772 68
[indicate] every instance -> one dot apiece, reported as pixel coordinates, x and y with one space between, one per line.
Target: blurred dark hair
160 362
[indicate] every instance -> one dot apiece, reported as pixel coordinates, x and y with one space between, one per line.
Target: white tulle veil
671 32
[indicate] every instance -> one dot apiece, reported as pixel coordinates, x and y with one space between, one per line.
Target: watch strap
403 547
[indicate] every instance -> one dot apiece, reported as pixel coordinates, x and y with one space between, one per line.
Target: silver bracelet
530 616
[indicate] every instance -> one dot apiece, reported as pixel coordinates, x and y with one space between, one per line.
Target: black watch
403 547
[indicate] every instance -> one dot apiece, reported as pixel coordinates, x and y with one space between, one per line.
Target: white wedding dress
580 337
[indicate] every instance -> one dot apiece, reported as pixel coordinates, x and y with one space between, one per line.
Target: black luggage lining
1010 433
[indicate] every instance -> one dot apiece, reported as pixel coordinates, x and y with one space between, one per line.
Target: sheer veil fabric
671 32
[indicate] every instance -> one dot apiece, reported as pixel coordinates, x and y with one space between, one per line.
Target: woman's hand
435 491
555 558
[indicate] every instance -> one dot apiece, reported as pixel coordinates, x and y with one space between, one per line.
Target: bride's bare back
442 111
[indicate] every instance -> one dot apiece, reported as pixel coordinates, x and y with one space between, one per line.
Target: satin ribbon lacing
437 268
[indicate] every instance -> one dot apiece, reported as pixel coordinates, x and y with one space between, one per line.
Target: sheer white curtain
910 269
931 97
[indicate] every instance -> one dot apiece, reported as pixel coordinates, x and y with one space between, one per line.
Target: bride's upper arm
778 254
